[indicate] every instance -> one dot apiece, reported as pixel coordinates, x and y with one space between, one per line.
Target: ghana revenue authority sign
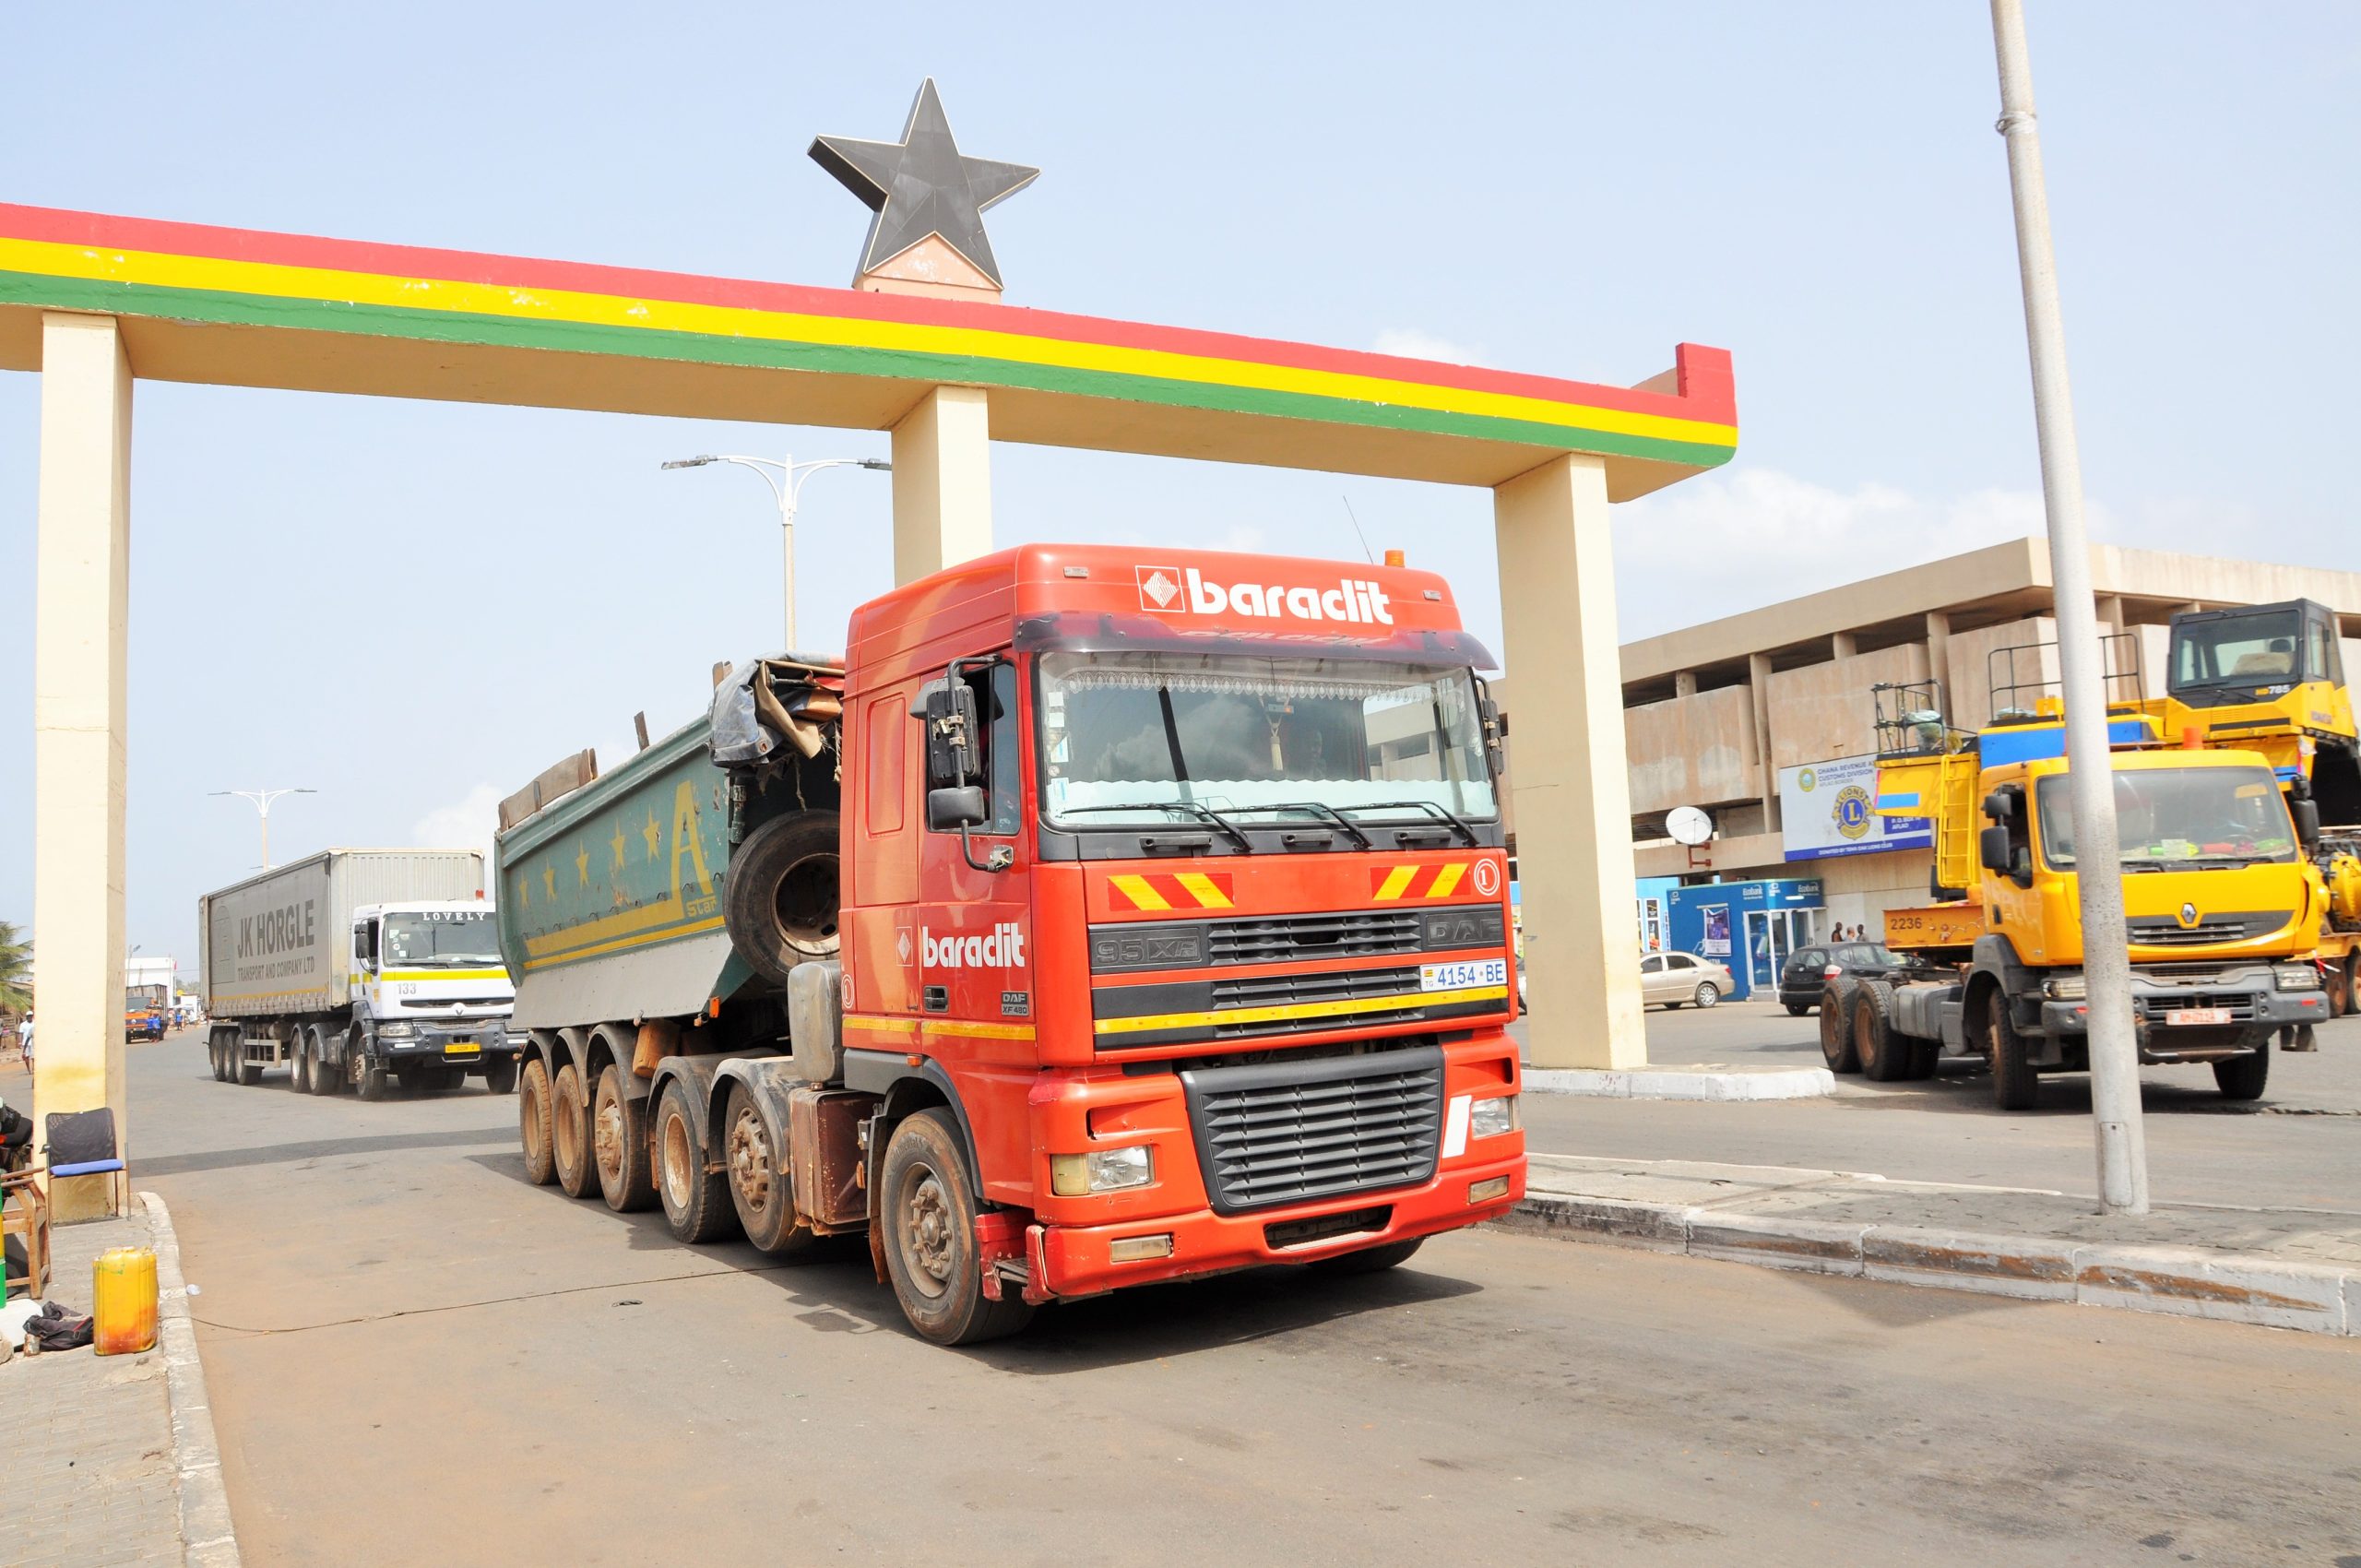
1827 808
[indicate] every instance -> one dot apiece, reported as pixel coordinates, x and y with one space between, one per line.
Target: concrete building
1757 718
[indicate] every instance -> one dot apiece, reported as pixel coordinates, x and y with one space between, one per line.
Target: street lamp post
2106 955
262 798
786 487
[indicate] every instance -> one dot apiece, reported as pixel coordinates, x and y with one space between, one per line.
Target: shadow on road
837 1292
284 1154
1966 1088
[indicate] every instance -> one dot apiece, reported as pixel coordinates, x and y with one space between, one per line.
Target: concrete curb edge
2183 1281
1682 1083
208 1539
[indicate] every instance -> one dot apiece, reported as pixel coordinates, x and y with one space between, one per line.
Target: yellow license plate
463 1048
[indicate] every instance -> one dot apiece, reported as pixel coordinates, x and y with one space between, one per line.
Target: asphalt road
2299 1146
414 1357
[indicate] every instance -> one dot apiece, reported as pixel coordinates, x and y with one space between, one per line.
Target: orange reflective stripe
1141 893
1397 880
1446 879
1208 893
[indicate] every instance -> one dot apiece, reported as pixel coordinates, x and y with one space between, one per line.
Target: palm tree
16 966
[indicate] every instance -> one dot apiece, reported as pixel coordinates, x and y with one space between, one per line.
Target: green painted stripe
639 342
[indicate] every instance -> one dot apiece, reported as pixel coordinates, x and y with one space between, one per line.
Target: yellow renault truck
2269 679
2221 898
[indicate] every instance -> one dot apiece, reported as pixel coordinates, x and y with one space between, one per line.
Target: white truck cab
428 987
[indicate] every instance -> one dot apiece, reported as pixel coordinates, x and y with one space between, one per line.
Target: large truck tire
217 1047
2015 1085
1836 1046
327 1077
779 897
299 1072
928 1208
696 1201
619 1145
2244 1077
759 1189
1884 1052
577 1175
501 1076
249 1073
533 1123
2351 970
368 1078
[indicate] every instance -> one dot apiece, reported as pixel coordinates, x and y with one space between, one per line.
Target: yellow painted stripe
642 939
444 975
267 995
1394 882
968 1029
663 911
882 1026
1136 888
277 280
1447 879
1202 885
1293 1010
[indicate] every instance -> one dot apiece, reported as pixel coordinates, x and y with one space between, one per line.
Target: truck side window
994 687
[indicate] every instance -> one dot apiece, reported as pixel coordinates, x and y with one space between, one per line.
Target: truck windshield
2179 816
446 939
1136 737
2262 648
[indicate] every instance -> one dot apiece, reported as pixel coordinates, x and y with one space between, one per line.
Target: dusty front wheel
2244 1077
2016 1086
501 1076
619 1144
570 1134
929 1241
759 1189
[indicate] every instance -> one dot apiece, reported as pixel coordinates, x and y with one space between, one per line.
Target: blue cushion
87 1168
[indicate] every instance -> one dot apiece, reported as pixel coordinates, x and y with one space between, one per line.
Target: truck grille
445 1003
1279 991
1291 1131
1281 938
2239 1002
2163 930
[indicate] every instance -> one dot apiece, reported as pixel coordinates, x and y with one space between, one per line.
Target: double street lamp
786 479
262 798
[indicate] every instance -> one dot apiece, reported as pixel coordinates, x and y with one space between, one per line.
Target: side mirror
1999 805
955 807
950 714
2308 824
1992 851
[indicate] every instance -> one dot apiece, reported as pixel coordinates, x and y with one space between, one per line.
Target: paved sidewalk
110 1459
2283 1267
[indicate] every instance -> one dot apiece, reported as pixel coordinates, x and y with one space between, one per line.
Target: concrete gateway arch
94 302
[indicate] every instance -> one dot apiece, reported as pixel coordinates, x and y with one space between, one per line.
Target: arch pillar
942 482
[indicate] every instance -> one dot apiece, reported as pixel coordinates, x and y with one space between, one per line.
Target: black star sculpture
922 184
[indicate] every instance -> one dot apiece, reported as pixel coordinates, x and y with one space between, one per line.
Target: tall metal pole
261 800
2106 958
787 494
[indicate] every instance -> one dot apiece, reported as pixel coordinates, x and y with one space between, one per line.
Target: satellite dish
1689 826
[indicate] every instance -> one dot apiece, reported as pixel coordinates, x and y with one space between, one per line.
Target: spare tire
779 896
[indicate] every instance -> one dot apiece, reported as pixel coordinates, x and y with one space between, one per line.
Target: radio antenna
1357 530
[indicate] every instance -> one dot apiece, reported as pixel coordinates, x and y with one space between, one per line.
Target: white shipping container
281 943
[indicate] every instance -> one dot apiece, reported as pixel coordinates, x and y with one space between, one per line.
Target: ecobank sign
1352 599
1828 809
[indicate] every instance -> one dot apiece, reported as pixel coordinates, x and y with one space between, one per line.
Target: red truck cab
1193 907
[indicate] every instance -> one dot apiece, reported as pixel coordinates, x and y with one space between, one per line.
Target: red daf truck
1105 917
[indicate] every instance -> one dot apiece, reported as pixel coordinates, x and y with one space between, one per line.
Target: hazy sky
412 608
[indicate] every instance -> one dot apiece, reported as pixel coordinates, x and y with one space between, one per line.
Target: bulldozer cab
2223 658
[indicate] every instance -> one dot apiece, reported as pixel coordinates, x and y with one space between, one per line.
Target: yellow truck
2221 894
2269 679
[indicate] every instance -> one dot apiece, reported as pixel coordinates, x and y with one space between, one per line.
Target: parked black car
1810 968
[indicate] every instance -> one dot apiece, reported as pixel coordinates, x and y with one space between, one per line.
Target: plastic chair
82 1142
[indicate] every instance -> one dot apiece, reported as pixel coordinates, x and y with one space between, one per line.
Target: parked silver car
1676 979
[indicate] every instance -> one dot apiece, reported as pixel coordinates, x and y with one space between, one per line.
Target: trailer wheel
696 1203
2015 1085
759 1190
2243 1078
779 898
299 1076
533 1126
924 1202
1836 1032
249 1073
619 1145
217 1049
570 1134
2341 987
1885 1054
501 1076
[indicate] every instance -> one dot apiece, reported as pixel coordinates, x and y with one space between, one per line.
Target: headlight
1107 1171
1491 1118
2298 977
396 1031
2065 987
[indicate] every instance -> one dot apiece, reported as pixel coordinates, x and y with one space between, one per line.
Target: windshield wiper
1443 812
1321 809
1204 813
